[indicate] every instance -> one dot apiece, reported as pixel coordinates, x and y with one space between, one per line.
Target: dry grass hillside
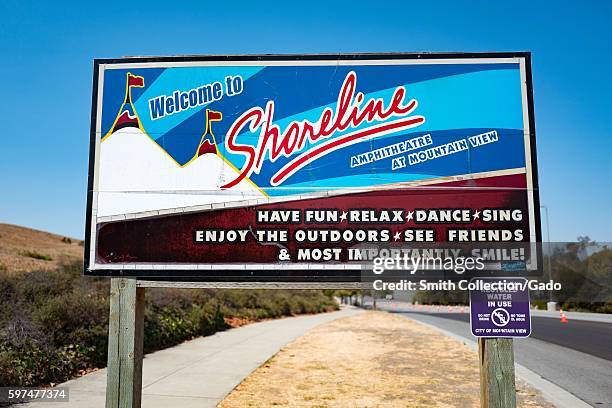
25 249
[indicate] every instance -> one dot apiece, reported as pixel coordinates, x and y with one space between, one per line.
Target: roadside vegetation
584 269
54 324
36 255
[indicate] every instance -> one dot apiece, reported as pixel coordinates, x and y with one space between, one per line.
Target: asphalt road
576 356
593 338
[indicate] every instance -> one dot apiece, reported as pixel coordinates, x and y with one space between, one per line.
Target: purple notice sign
499 307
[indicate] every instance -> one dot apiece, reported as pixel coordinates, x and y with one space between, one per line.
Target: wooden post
125 337
497 387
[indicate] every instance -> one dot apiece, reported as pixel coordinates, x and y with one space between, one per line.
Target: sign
499 307
282 167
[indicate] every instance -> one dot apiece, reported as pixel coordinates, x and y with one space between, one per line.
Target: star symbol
410 216
343 216
476 215
397 236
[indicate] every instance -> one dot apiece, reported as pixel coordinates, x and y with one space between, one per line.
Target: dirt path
374 359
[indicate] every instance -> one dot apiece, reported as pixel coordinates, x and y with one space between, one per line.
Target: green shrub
442 297
35 255
76 319
8 298
540 304
35 287
34 364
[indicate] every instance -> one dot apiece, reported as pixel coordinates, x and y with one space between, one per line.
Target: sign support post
497 384
125 342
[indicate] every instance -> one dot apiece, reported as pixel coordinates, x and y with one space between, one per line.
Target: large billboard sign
282 167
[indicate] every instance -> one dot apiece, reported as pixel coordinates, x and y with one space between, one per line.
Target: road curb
581 316
551 392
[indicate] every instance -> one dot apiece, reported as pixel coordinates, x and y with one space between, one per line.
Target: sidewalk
201 372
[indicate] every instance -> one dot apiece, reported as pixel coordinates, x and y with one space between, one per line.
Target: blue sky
46 69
